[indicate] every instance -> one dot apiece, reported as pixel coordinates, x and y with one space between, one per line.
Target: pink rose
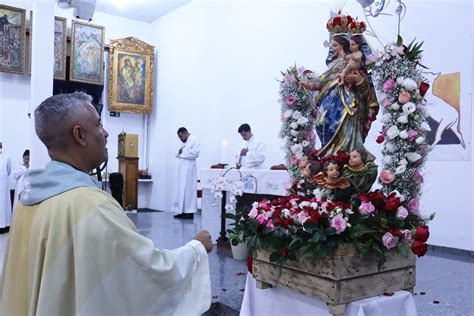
261 218
366 208
412 134
402 213
417 177
290 101
406 234
310 136
253 212
386 176
386 103
303 217
404 97
294 160
270 225
389 241
338 223
388 86
413 205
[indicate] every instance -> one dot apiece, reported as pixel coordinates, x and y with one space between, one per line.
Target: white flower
409 108
294 125
424 126
318 193
391 147
412 157
402 119
387 159
393 132
296 115
399 195
294 133
403 162
302 120
400 81
420 140
403 134
287 113
286 213
386 118
305 143
400 169
296 149
410 84
395 106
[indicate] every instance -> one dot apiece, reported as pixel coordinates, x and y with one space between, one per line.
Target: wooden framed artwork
60 42
12 39
87 53
131 69
30 43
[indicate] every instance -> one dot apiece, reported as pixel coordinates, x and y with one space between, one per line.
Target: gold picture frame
60 47
87 53
12 39
131 71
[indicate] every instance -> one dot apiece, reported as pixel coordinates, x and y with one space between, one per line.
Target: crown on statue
356 27
338 25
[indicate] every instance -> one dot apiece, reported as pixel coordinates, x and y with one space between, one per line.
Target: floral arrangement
401 87
297 130
235 188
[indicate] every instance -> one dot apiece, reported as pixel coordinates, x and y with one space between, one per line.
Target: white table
281 301
257 181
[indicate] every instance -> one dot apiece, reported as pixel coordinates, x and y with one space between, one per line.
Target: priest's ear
79 135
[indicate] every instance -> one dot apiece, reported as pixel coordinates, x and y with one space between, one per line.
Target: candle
224 147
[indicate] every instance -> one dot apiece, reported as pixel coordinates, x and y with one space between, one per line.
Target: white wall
216 68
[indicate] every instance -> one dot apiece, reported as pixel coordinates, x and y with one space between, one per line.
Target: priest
72 250
185 193
252 152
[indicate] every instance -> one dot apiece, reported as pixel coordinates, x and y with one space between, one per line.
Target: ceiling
141 10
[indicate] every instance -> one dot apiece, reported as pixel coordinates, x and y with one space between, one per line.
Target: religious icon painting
131 68
60 38
87 53
30 41
12 39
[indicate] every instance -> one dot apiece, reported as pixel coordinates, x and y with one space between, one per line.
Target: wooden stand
128 167
340 279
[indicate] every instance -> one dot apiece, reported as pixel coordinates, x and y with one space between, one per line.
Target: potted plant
236 235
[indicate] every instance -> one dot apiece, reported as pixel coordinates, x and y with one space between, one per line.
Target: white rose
424 126
305 143
410 84
302 120
391 147
386 118
400 81
294 133
296 115
412 157
387 160
409 108
420 140
294 125
393 132
395 106
287 113
403 162
286 213
402 119
296 148
400 169
403 134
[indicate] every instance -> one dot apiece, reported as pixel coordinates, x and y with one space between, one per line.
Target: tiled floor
444 278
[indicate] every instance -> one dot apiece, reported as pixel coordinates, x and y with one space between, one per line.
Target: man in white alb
185 194
5 203
253 151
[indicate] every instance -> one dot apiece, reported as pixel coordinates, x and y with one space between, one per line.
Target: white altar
280 301
257 181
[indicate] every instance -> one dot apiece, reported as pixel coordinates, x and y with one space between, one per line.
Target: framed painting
60 38
12 39
131 69
30 42
87 53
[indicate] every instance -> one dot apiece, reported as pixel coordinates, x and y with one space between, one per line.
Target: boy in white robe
72 250
253 151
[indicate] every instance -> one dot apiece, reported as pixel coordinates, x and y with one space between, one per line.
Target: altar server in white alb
185 194
253 151
5 202
72 249
19 174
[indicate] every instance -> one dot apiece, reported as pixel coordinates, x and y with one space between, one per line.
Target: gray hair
54 117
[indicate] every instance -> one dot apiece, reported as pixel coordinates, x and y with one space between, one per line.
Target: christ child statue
354 60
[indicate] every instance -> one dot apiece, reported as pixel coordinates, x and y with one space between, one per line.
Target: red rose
377 198
422 233
424 88
250 264
419 248
393 203
380 139
363 198
283 252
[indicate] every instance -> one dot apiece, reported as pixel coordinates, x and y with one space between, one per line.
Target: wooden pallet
340 279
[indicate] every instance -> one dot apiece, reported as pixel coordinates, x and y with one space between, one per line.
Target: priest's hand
205 238
244 151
